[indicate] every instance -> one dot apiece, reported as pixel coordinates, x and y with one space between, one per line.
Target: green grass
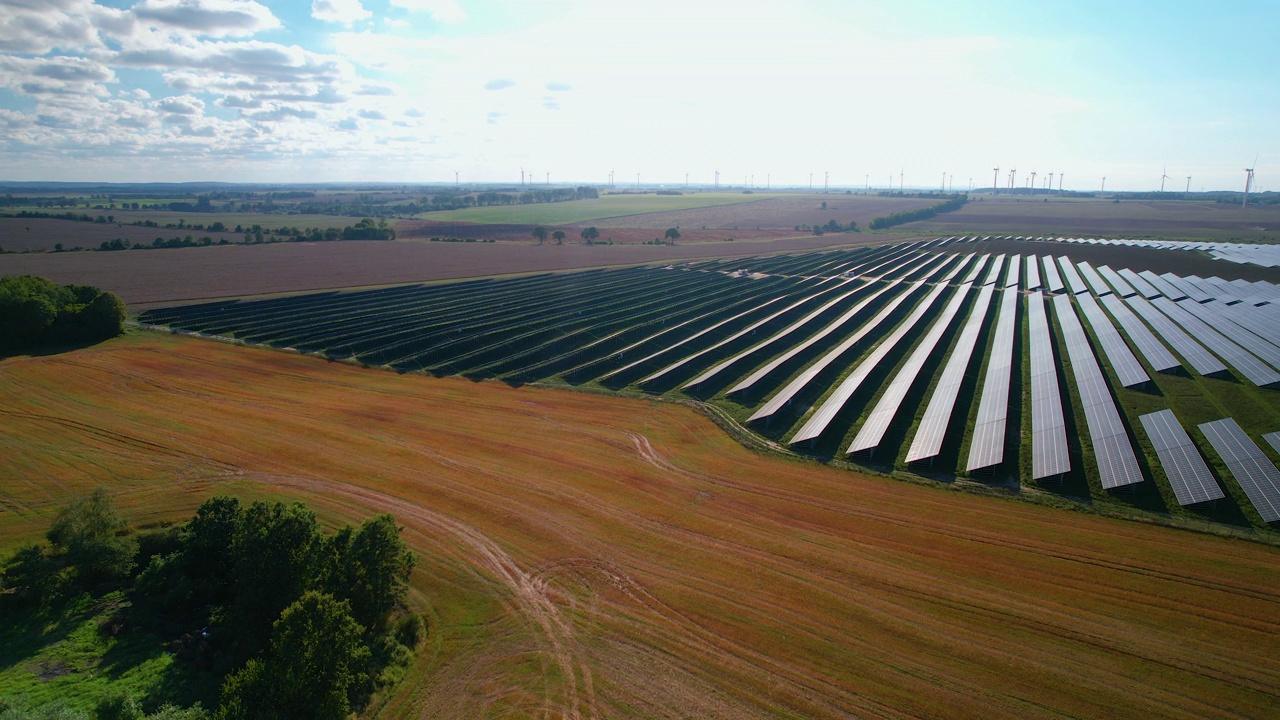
66 653
579 211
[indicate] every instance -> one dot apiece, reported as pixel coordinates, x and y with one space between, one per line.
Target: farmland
809 351
1097 217
577 212
604 556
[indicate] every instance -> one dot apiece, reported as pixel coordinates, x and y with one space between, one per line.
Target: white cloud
345 12
40 26
445 11
211 18
499 84
558 87
181 105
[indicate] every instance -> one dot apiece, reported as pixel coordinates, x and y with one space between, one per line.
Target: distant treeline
36 312
955 203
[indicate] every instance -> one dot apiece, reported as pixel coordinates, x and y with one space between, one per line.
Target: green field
579 211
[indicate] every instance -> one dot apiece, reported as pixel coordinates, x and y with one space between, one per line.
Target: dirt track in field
587 556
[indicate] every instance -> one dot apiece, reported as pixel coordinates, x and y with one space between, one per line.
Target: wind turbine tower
1164 175
1033 182
826 180
901 174
1060 176
1248 182
1013 175
717 179
455 178
521 176
944 181
1188 190
1104 183
995 175
1050 182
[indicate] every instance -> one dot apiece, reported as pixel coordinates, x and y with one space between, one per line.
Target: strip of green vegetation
579 211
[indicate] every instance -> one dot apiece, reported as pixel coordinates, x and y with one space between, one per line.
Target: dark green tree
540 232
30 576
558 236
88 530
370 568
274 554
310 669
590 234
672 234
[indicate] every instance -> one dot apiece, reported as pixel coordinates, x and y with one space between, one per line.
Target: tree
558 236
590 234
87 530
274 554
308 672
673 234
31 574
369 568
540 232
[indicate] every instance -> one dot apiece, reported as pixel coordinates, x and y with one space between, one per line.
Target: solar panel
1144 288
743 332
1122 288
1117 464
1011 280
1217 315
780 335
783 397
1188 474
1033 273
937 415
1253 369
877 423
1201 360
1273 438
1162 285
1186 287
1125 365
976 268
1072 277
1051 277
1151 348
1092 278
993 274
987 446
826 412
1256 474
1048 428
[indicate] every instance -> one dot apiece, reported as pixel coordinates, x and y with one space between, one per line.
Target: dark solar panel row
1201 360
1125 365
1251 468
1188 474
1117 464
987 446
1048 427
932 431
890 402
818 422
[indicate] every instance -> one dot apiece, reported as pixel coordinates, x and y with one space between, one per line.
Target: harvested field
26 234
779 213
1178 262
587 212
585 556
421 229
168 276
1136 218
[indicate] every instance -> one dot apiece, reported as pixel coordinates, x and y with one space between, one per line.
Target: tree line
37 312
906 216
296 623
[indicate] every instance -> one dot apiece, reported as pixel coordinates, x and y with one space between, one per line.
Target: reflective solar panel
1162 285
977 268
987 446
1201 360
1188 474
1092 278
818 422
1151 348
1072 277
1251 468
1033 272
1015 264
1125 365
1051 277
937 415
1144 288
1273 438
1048 428
1253 369
1122 288
1220 317
1117 464
890 402
993 274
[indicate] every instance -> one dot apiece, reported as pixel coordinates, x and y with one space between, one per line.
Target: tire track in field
528 590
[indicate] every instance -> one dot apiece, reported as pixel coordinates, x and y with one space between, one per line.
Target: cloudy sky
414 90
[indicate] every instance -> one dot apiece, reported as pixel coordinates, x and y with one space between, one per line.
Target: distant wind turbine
1033 182
995 175
1248 182
455 178
1104 183
1050 181
1163 176
1188 184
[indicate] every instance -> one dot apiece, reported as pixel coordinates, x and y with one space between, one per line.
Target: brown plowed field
23 234
589 557
169 276
782 213
1087 218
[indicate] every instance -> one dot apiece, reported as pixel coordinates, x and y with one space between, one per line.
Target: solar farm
933 358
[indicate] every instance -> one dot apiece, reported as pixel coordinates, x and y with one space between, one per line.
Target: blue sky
414 90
